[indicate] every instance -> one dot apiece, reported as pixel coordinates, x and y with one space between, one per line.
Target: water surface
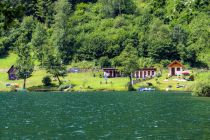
104 115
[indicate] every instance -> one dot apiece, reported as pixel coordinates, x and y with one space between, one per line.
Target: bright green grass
85 80
34 80
82 81
164 84
8 61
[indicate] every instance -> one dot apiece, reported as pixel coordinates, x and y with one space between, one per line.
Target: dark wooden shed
12 73
112 72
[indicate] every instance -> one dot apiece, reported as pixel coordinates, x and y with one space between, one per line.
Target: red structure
111 72
145 73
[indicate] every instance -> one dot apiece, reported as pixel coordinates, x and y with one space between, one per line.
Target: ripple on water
70 126
138 138
79 132
106 135
85 116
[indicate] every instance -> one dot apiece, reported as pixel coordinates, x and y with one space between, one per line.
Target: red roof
175 62
12 68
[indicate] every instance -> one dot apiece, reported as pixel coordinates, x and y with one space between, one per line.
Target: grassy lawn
34 80
162 83
88 82
81 81
7 62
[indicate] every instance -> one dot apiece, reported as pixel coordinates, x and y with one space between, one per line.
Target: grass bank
89 81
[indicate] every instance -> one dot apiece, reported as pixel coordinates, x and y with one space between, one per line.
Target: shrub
104 62
47 81
130 87
158 75
149 84
165 63
191 78
84 65
202 89
170 86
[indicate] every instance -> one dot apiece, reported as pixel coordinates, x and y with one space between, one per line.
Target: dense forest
103 31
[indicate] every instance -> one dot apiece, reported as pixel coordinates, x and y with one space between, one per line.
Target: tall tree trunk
24 83
130 77
130 85
58 79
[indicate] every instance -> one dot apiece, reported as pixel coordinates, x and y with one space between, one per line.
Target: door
110 74
172 71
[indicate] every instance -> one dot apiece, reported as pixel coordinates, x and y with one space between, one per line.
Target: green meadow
92 81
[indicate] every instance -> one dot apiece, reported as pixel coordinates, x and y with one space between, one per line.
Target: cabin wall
12 76
112 73
178 71
144 73
12 73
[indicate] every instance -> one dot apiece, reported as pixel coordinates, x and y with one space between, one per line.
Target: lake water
104 116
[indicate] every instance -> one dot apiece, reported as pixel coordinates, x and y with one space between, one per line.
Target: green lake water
104 116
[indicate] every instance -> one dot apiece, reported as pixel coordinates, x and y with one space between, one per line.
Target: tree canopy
89 30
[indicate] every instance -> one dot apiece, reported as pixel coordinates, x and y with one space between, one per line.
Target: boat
146 89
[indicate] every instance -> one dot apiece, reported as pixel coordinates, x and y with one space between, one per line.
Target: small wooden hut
12 73
175 68
111 72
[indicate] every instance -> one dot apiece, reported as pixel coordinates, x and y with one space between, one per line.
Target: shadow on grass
43 88
5 55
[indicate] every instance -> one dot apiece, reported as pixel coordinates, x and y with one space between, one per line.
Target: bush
83 65
165 63
191 78
130 87
170 86
149 84
104 62
202 89
47 81
158 75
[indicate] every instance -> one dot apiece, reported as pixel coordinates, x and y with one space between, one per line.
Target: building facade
175 68
111 72
145 73
12 73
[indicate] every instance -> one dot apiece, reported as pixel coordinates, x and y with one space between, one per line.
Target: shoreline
102 91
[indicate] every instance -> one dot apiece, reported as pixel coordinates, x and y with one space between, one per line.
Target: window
178 69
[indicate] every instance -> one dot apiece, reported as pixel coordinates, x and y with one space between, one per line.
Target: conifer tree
44 11
54 65
39 41
25 62
60 39
127 62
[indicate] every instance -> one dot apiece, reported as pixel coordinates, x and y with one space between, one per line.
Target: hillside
161 30
126 34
